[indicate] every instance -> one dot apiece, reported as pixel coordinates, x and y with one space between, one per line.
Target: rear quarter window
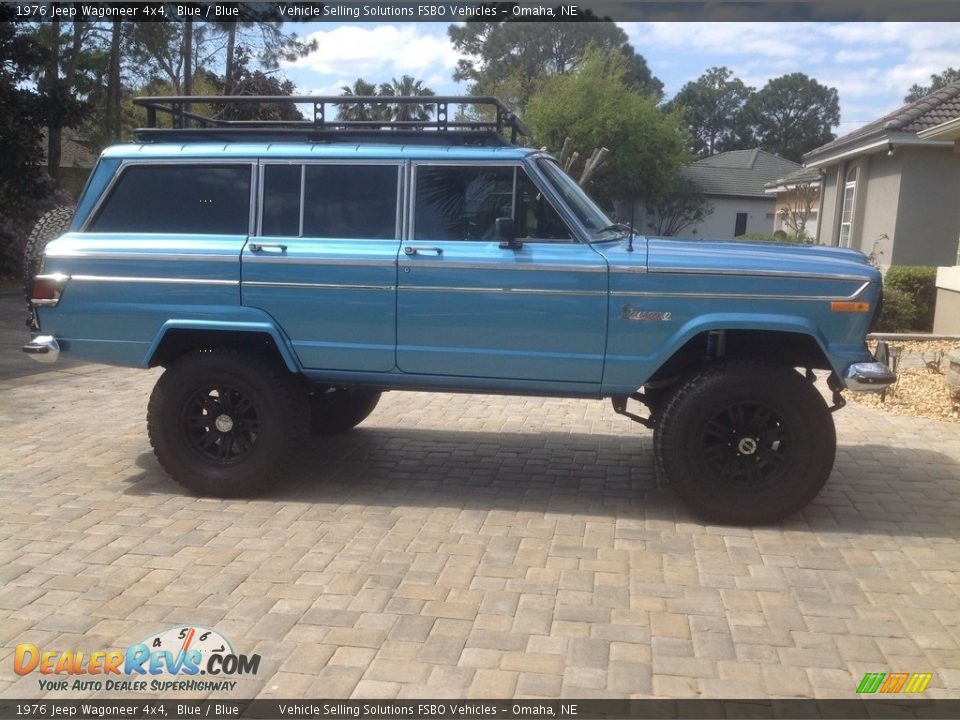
182 198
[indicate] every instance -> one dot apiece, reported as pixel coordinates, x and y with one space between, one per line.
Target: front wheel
746 443
225 423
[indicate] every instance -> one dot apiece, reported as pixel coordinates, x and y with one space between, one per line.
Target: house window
740 227
846 214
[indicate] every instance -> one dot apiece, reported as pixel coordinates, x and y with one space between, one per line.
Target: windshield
588 213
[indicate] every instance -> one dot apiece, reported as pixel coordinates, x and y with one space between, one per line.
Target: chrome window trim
347 162
577 233
303 198
124 164
315 286
147 280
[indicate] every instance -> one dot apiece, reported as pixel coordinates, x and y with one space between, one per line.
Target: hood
722 257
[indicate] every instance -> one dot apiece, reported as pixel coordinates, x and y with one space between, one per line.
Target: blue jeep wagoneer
286 275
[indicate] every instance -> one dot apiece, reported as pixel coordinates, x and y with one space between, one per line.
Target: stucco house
734 183
892 191
947 319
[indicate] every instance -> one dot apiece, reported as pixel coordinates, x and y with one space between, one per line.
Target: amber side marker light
855 307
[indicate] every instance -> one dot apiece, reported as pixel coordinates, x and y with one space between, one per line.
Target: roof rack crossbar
436 108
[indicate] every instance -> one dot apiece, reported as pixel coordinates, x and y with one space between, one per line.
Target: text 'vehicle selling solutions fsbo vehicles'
286 274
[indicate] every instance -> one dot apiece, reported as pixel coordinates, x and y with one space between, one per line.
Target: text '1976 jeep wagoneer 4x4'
287 274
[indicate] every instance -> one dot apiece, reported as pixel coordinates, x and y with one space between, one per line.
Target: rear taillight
48 289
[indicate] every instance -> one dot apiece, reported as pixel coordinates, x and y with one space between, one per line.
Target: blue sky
872 65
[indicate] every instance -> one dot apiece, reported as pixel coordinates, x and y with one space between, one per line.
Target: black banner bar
888 707
447 12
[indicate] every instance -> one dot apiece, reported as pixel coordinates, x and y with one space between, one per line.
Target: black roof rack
438 129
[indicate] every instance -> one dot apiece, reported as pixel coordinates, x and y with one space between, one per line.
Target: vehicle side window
350 201
281 200
536 220
462 203
203 199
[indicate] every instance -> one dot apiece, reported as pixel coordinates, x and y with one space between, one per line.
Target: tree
595 106
515 55
712 106
362 110
792 115
24 186
683 205
937 81
407 86
798 207
245 81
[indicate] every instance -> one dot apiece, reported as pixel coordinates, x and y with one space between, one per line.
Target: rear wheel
225 423
745 443
336 410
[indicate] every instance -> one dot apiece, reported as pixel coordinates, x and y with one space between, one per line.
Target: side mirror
505 230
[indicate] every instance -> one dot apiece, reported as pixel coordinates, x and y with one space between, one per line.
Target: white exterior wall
722 222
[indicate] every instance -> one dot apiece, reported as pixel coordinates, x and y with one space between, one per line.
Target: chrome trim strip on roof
738 296
753 273
108 255
148 280
519 291
315 286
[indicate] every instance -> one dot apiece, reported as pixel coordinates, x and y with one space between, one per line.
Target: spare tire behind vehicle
52 224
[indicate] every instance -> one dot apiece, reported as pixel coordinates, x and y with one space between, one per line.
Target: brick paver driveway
476 546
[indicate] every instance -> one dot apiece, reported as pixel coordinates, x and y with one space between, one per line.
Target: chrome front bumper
869 377
43 348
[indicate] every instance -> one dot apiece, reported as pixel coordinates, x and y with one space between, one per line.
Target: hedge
909 299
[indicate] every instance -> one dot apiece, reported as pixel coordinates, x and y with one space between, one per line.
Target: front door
467 307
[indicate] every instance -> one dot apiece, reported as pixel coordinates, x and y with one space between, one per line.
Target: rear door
324 261
467 307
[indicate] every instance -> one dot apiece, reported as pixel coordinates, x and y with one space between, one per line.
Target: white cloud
379 53
857 56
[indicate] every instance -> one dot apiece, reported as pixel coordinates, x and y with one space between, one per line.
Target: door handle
414 249
257 247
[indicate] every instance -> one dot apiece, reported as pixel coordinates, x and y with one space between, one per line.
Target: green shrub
919 284
899 312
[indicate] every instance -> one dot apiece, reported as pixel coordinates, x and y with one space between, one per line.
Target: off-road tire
340 409
746 443
267 420
52 224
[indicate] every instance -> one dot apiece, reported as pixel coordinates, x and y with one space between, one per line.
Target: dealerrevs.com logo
165 661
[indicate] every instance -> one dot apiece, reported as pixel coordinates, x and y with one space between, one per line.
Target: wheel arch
782 339
177 337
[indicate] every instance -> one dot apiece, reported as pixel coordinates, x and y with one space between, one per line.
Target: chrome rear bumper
43 348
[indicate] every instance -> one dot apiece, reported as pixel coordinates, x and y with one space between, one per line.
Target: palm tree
362 111
408 86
